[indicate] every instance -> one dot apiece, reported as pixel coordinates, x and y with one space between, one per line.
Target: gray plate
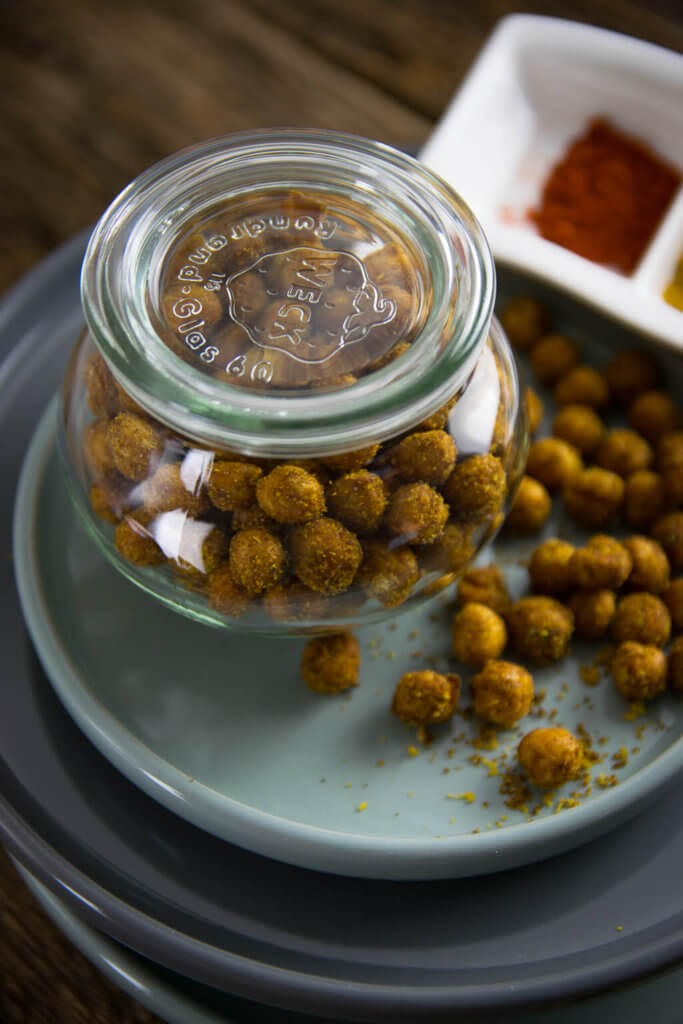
364 950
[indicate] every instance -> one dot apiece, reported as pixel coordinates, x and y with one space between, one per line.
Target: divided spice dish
292 409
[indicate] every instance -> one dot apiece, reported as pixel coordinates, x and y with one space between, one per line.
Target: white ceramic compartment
536 84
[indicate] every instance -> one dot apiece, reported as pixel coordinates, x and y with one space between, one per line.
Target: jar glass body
292 411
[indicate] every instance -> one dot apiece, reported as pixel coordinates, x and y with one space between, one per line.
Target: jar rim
123 255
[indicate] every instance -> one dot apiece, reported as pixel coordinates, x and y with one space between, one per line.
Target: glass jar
291 410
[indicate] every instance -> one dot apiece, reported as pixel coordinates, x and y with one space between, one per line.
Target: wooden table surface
92 92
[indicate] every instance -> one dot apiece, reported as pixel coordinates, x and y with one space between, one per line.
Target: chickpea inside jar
292 410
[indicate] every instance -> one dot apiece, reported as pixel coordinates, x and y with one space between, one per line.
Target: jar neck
122 279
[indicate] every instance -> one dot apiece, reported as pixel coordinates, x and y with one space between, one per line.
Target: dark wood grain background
93 92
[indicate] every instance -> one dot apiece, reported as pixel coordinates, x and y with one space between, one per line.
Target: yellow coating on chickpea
644 499
639 670
101 391
225 595
673 599
325 555
580 426
426 697
630 373
530 509
534 410
476 488
192 566
642 618
485 585
165 491
416 514
669 532
553 462
593 612
524 320
654 414
135 445
478 634
388 574
670 465
583 385
602 564
550 757
623 451
540 628
550 567
232 485
101 502
650 570
428 456
452 551
96 450
593 497
290 494
257 559
553 356
502 693
330 664
134 541
358 500
348 462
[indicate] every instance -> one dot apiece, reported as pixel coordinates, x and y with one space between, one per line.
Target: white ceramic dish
536 84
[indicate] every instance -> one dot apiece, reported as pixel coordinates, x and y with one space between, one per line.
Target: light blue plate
221 730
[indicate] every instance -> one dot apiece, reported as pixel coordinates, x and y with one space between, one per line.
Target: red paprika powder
605 197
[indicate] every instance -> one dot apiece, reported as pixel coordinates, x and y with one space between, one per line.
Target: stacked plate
175 791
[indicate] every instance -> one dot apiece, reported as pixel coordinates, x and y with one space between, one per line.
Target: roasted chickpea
225 595
428 455
96 450
136 542
583 385
388 574
550 567
639 670
426 697
102 394
650 569
232 485
644 499
593 496
670 465
349 462
484 585
593 612
330 664
325 555
675 665
451 551
550 757
580 426
416 513
624 452
654 414
540 628
293 602
643 618
673 599
478 634
102 504
553 462
257 559
135 445
502 693
290 494
602 564
553 356
165 491
530 509
669 532
524 320
475 490
358 500
630 373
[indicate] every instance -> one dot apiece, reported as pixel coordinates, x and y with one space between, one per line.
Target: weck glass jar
291 410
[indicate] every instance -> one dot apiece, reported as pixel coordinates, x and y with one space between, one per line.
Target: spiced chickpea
630 373
654 414
643 618
96 450
639 670
485 585
475 490
553 462
502 693
416 513
553 356
550 757
135 445
388 574
199 553
290 494
102 504
135 542
623 451
644 499
232 485
583 385
426 697
540 628
593 497
292 602
673 599
530 509
330 664
257 559
452 550
478 634
348 462
534 410
325 555
358 500
101 392
225 595
593 611
165 491
550 567
428 455
675 665
650 570
670 465
668 530
524 320
580 426
603 563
